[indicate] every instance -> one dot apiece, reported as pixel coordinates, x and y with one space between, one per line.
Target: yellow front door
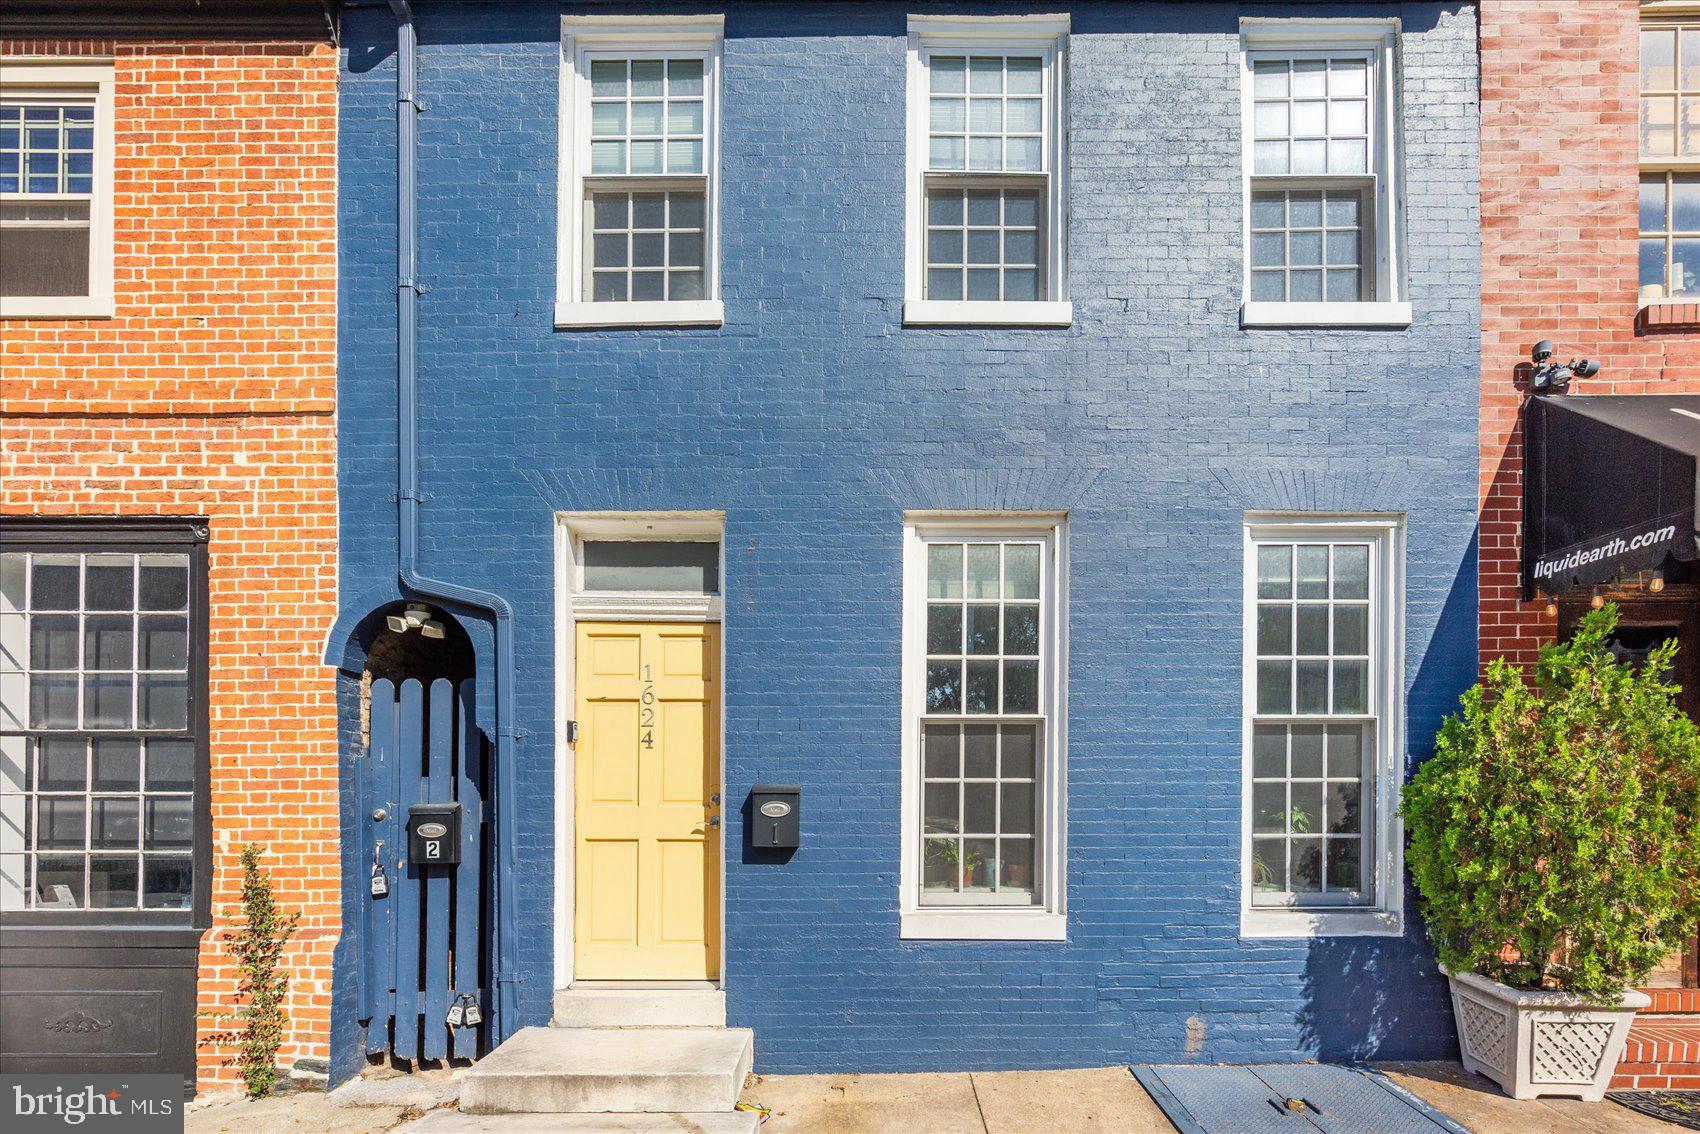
647 778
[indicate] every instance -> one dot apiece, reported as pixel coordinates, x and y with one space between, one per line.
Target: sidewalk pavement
1095 1101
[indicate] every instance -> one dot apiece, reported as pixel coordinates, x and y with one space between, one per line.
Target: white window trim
1386 917
1380 39
1048 922
572 605
1044 35
48 76
580 36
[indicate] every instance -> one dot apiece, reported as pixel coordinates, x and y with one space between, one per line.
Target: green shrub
1555 835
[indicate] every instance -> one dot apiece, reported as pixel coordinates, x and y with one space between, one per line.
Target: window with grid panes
1313 178
98 742
646 183
1314 720
47 187
1670 91
982 724
1670 235
987 176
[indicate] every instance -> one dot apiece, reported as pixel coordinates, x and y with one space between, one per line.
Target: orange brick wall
1560 181
212 393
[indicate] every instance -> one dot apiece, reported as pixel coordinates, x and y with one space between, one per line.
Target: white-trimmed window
987 175
983 727
1322 180
1670 160
55 189
1322 693
639 122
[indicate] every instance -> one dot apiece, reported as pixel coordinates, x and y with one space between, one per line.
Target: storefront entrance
1645 621
647 802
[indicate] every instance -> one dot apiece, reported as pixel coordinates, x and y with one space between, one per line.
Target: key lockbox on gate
433 833
775 814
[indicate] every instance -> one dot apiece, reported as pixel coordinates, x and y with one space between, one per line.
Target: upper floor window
1322 678
1322 181
55 189
638 172
1670 161
987 132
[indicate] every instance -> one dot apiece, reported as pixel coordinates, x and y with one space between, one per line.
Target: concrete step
611 1070
454 1122
640 1007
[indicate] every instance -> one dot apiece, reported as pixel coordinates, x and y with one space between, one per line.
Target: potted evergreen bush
1555 844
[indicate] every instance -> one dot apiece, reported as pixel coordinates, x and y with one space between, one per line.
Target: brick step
1663 1053
1669 1001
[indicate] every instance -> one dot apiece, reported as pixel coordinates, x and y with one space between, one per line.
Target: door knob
379 814
714 820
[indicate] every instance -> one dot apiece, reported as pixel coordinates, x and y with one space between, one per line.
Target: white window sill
1321 923
1325 315
986 313
678 313
56 307
982 923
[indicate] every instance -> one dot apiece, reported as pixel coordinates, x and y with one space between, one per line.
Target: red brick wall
212 393
1560 180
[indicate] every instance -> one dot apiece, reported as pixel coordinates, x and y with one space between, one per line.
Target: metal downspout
505 1011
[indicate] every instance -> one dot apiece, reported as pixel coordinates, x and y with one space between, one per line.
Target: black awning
1610 487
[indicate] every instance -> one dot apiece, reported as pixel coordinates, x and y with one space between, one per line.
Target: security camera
1551 376
1543 352
1584 368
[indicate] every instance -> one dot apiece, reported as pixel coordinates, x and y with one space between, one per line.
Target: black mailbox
433 833
775 811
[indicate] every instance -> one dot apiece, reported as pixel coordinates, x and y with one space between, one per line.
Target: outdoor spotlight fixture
1551 376
417 614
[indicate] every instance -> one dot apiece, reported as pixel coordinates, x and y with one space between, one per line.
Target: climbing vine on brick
258 945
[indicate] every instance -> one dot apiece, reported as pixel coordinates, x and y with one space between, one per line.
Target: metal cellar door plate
1289 1098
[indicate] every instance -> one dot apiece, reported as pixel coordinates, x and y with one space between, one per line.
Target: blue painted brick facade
814 419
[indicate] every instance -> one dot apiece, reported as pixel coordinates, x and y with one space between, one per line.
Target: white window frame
1379 41
1041 922
47 79
1042 35
585 37
1684 16
1385 917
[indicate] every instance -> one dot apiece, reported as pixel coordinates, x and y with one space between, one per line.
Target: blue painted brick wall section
814 419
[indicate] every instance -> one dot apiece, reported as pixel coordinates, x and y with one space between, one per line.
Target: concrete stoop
645 1080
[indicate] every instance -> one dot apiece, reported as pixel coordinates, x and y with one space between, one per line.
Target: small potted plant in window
1553 841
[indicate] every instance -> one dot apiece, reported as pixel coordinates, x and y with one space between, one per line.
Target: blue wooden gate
423 938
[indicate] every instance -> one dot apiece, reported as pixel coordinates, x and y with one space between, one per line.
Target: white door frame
573 605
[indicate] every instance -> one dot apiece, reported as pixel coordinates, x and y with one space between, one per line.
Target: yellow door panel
646 772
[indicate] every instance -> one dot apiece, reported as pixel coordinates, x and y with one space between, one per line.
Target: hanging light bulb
1552 609
1598 600
1656 583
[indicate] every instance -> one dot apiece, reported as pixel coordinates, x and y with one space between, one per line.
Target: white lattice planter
1535 1044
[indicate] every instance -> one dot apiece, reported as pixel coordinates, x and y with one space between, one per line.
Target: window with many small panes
99 734
983 720
640 139
1316 643
47 194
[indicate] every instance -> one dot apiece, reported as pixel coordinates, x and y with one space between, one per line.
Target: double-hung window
1670 161
987 178
1322 680
55 189
983 727
638 111
1322 179
103 720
